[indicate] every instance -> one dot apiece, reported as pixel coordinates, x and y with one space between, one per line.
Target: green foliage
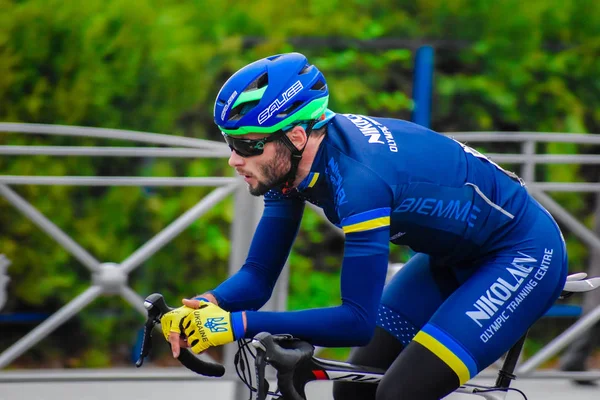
156 65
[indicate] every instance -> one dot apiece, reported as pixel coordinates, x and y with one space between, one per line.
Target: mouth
247 177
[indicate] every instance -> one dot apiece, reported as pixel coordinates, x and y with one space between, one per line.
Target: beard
274 173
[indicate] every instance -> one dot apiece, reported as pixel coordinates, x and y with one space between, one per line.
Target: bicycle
296 364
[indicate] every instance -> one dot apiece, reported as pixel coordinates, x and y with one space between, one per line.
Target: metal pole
49 325
565 186
561 341
52 230
134 299
581 350
248 210
107 151
546 158
423 85
507 137
82 131
570 222
528 168
175 228
113 181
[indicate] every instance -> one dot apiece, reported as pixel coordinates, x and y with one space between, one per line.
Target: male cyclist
489 259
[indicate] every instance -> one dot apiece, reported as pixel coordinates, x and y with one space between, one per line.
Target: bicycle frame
286 355
347 372
337 372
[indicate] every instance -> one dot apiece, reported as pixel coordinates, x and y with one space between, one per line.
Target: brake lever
146 342
262 384
156 306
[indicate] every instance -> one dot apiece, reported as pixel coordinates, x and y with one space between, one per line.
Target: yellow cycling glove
171 321
210 325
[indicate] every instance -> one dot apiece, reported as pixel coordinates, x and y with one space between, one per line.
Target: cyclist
489 259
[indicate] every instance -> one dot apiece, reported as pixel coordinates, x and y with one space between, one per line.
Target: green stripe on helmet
251 95
311 111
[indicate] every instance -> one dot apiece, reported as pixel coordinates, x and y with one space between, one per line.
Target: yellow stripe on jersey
367 225
314 180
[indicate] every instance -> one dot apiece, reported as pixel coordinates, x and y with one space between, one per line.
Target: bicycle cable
486 389
243 367
244 372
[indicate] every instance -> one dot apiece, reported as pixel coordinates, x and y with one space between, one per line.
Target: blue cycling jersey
438 196
385 180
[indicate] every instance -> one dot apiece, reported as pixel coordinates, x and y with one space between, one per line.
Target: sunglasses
250 147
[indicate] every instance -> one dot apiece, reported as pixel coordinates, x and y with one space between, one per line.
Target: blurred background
157 65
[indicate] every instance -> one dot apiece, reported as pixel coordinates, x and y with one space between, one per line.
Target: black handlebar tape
199 366
285 359
287 389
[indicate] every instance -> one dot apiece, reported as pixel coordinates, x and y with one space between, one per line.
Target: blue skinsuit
490 260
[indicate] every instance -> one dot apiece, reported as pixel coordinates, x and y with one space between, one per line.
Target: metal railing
111 278
4 279
108 277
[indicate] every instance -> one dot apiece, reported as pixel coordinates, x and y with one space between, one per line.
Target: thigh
413 295
493 306
496 305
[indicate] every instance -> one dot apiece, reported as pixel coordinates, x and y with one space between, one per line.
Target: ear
298 137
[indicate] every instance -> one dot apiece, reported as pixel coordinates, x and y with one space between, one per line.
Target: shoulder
354 186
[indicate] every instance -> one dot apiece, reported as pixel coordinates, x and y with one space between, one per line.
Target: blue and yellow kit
489 259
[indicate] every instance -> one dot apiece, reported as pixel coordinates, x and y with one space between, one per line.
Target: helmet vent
258 83
307 68
242 109
320 85
290 109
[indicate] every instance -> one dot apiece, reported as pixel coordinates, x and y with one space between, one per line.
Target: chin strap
290 177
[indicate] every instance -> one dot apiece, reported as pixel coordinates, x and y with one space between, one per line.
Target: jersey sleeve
251 287
363 202
364 210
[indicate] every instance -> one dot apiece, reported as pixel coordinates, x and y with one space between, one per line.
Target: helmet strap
290 177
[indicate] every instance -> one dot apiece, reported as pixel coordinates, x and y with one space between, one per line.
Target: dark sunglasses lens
245 147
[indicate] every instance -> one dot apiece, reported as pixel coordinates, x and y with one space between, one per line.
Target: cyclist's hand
210 325
195 302
171 323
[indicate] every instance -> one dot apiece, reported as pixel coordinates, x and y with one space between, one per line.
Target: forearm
331 327
251 287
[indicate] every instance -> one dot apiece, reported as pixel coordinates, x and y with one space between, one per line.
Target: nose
235 160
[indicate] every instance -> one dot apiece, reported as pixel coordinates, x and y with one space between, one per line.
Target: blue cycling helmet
271 94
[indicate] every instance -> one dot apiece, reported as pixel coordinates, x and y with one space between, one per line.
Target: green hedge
156 66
